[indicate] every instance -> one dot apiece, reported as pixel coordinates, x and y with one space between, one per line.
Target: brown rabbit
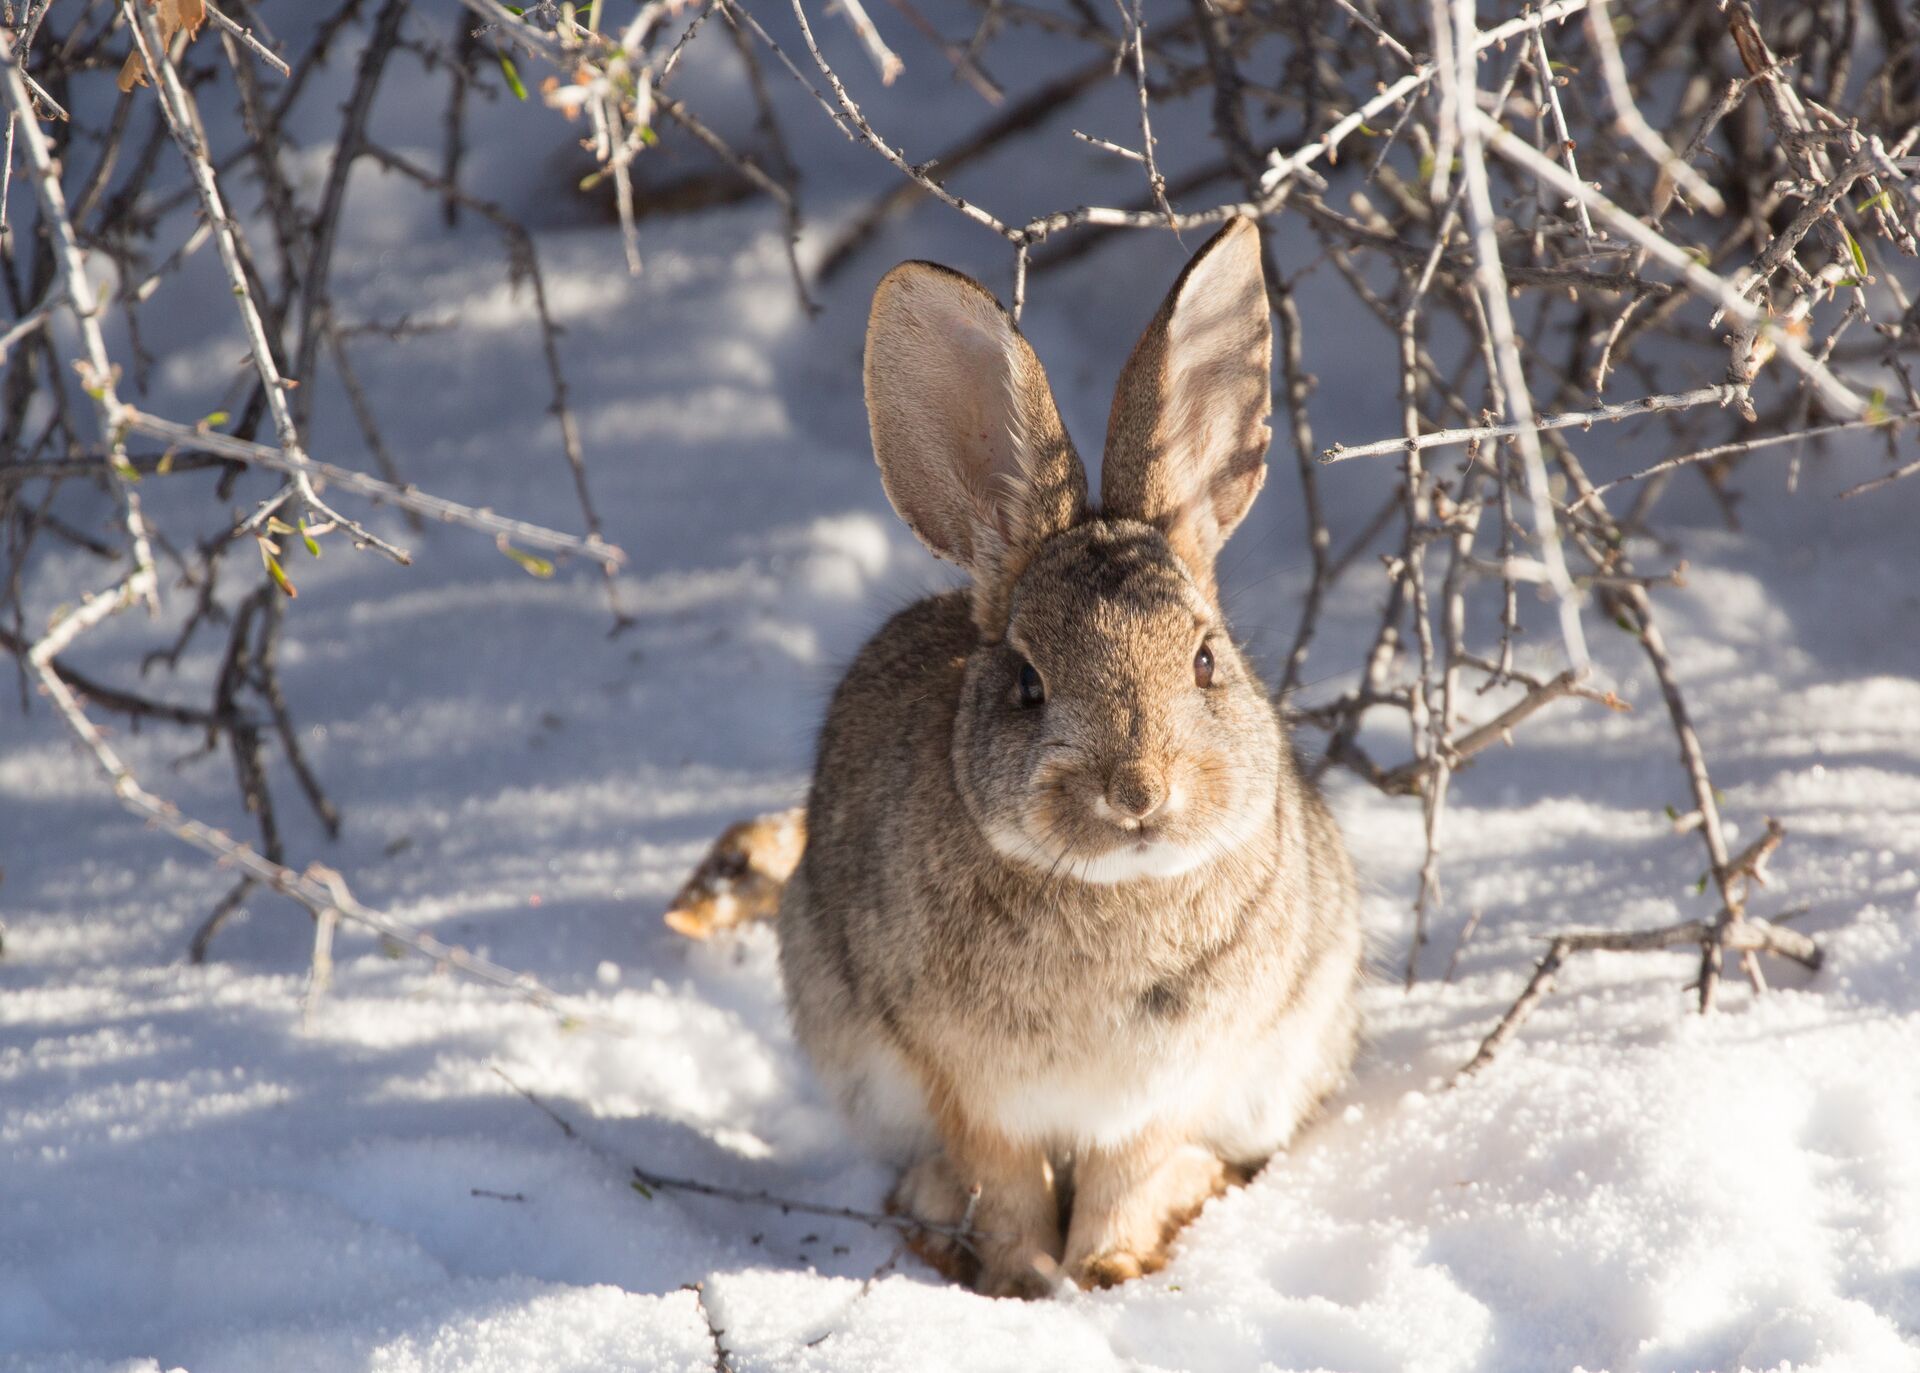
1067 908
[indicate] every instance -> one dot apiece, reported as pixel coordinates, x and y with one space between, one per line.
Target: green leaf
215 419
125 470
1885 198
313 544
1700 887
278 573
1672 814
1859 258
512 74
534 564
641 1188
648 136
165 465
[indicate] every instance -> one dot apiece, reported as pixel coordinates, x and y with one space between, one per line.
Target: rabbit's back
847 937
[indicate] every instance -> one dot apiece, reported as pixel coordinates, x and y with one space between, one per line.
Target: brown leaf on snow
742 875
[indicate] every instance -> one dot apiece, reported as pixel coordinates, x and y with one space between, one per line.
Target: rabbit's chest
1084 1025
1090 1054
1104 1096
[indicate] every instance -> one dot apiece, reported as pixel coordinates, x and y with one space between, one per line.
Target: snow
194 1174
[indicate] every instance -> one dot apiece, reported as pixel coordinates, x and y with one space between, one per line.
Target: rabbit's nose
1135 793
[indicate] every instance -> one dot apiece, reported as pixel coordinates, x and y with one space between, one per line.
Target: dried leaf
174 16
182 14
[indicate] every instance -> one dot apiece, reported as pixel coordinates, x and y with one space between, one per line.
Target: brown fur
742 876
1001 973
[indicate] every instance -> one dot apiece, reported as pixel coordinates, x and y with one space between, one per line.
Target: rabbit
1072 940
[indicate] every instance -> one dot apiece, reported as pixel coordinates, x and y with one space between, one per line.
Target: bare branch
244 36
1513 376
404 498
1573 419
1832 390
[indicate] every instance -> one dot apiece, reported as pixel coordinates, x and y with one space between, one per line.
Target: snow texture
192 1177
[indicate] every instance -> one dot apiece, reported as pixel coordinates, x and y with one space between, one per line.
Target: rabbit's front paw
1028 1274
1130 1202
991 1256
1113 1268
929 1193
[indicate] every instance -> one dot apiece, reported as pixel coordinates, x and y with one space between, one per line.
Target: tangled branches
284 323
1551 212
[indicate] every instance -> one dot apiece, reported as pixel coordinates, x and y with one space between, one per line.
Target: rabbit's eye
1033 691
1203 667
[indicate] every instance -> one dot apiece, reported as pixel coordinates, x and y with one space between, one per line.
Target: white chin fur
1128 861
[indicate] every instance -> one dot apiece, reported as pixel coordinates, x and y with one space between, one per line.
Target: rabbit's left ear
1187 437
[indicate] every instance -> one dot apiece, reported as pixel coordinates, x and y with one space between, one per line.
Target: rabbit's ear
970 444
1187 436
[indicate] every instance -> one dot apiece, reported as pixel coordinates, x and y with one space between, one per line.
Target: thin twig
1754 936
1629 120
244 36
1832 390
403 498
86 305
183 123
647 1181
1513 377
884 58
319 889
1573 419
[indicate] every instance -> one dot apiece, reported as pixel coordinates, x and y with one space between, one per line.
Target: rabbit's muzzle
1133 796
1143 818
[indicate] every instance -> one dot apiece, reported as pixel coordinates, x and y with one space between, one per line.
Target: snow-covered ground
192 1175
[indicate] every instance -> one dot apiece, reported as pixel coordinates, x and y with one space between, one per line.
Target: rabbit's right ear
970 445
1187 437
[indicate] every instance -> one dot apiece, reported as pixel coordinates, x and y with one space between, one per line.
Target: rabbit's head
1108 727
